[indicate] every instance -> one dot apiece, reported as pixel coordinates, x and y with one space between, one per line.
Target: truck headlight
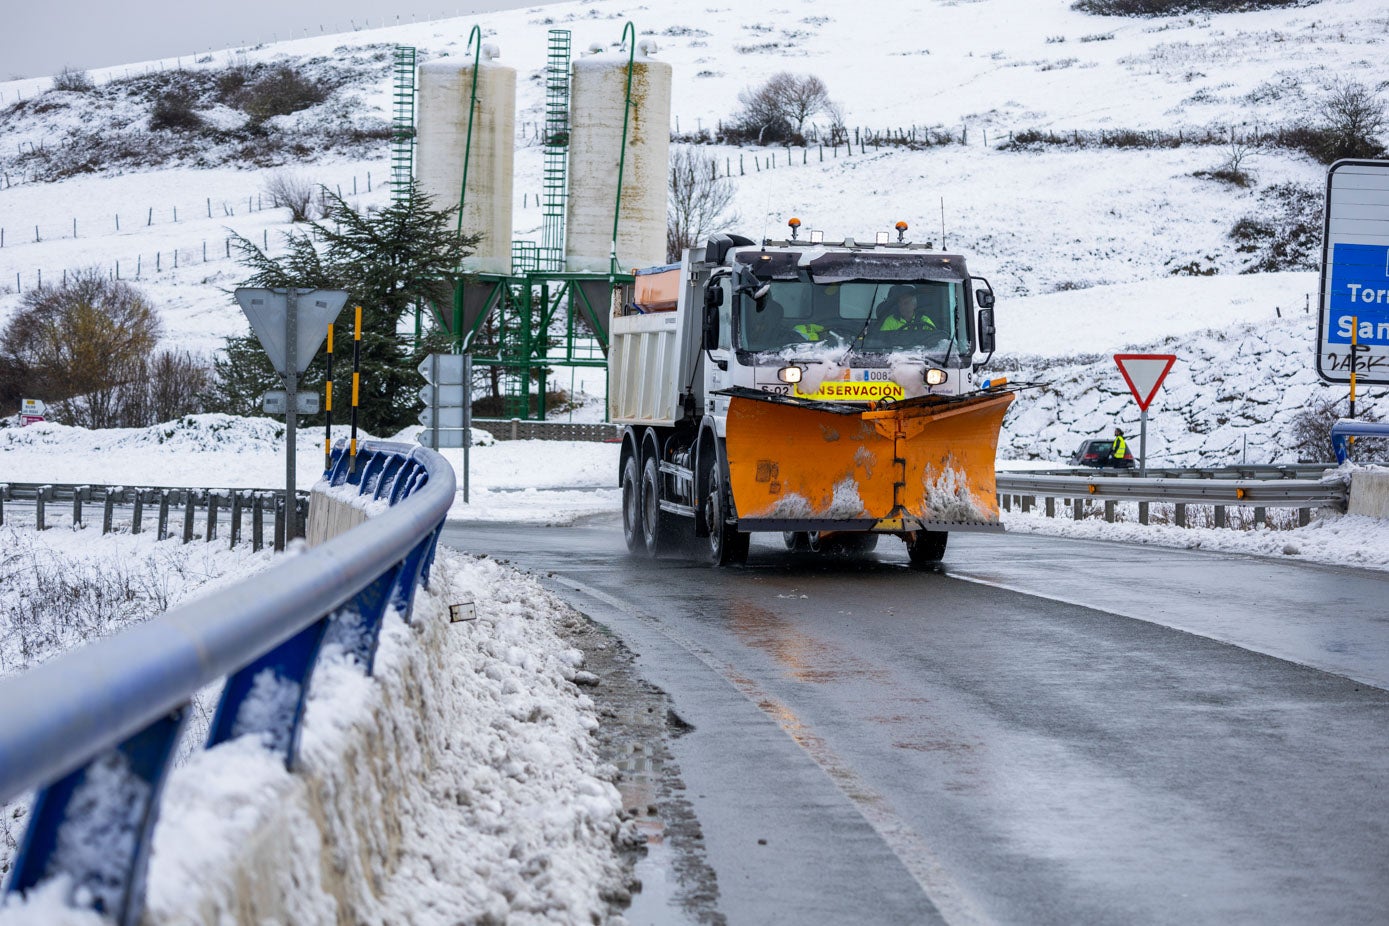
936 377
791 374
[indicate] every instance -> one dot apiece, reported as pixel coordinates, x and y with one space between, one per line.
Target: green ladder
556 180
403 122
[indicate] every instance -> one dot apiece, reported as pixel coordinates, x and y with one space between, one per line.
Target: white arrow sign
1144 374
447 438
449 416
444 395
442 369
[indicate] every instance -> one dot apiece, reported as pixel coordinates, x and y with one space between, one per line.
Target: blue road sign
1359 290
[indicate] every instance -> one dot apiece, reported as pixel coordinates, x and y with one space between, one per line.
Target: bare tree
74 345
289 191
781 106
1354 120
699 200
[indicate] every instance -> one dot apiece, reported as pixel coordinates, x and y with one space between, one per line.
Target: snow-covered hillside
1082 243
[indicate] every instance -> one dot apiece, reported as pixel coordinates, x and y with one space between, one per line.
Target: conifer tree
389 262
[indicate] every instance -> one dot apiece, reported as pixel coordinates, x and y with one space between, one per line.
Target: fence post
211 517
235 519
139 514
1219 515
1143 513
77 494
279 523
1051 507
40 501
1109 510
1179 514
1078 508
257 527
161 528
189 502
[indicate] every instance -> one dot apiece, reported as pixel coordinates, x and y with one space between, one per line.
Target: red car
1101 453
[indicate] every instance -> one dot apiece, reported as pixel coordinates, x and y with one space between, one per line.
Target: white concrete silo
442 142
598 97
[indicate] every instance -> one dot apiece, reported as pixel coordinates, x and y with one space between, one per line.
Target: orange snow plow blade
912 465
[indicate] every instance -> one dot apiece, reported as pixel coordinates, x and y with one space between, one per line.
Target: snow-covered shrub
1310 431
73 80
174 111
1285 233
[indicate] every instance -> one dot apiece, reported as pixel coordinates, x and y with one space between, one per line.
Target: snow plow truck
824 390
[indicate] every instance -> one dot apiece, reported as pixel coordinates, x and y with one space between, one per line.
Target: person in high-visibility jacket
901 312
1121 446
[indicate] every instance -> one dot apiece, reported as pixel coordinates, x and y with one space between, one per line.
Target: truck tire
727 545
631 507
796 541
927 548
658 528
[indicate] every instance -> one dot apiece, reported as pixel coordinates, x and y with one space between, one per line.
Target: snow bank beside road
459 784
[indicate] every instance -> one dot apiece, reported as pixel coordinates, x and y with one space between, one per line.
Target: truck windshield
877 317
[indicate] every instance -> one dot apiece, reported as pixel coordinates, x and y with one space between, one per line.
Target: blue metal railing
1346 428
96 730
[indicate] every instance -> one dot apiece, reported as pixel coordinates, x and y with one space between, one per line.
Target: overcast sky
40 37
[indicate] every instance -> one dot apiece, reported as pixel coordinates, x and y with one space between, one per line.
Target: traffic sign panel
267 310
1144 374
443 369
444 395
448 437
449 416
32 407
1355 274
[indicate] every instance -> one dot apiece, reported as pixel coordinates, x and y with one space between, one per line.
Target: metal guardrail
517 429
210 508
96 729
1297 486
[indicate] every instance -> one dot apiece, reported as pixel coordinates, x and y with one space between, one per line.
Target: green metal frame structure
403 121
527 308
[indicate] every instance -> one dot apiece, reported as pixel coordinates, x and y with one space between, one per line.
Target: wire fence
140 266
96 225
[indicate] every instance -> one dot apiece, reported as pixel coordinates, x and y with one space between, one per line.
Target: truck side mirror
986 329
984 298
713 299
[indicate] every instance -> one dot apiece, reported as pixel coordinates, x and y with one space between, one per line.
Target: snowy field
1081 246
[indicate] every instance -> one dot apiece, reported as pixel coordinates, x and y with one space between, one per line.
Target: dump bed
652 337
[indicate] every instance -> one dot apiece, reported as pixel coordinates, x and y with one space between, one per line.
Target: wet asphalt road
1045 731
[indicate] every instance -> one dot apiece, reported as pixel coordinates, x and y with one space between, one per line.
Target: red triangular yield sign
1144 374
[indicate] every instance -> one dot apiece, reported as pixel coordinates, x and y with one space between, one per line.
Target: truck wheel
796 541
631 507
927 548
657 527
727 546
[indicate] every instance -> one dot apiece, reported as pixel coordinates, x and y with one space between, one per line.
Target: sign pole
291 413
1354 356
434 403
1143 443
467 418
328 408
